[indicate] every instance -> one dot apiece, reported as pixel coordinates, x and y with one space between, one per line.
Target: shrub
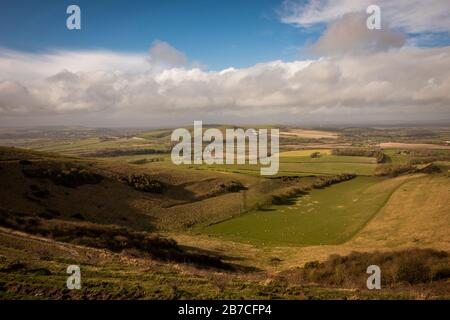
233 186
313 265
145 160
328 181
77 216
359 152
431 168
413 271
71 178
394 170
410 266
143 182
25 162
125 152
440 271
45 215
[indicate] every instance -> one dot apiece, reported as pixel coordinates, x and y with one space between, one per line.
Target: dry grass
416 215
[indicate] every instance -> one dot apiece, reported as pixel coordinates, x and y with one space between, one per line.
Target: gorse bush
397 170
410 266
145 160
72 177
232 186
394 170
323 182
143 182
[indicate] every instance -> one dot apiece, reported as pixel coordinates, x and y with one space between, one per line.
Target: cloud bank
348 35
412 16
163 54
127 89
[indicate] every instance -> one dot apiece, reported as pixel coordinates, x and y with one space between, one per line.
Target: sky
160 63
220 34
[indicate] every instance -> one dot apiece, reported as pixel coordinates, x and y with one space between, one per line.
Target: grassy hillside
416 215
141 227
123 194
35 268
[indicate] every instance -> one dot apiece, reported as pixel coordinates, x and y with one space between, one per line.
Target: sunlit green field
289 166
324 216
325 165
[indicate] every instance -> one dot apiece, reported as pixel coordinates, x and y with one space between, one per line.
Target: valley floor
416 215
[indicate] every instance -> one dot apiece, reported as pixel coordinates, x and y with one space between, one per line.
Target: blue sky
136 63
218 34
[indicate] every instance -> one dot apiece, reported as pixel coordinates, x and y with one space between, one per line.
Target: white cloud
28 66
162 53
349 34
412 16
125 89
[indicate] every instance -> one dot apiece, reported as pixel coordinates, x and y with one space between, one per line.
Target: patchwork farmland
223 231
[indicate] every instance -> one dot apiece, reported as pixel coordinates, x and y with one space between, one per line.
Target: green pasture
324 216
304 166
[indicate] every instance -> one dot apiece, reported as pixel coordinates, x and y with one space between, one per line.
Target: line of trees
124 152
359 152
